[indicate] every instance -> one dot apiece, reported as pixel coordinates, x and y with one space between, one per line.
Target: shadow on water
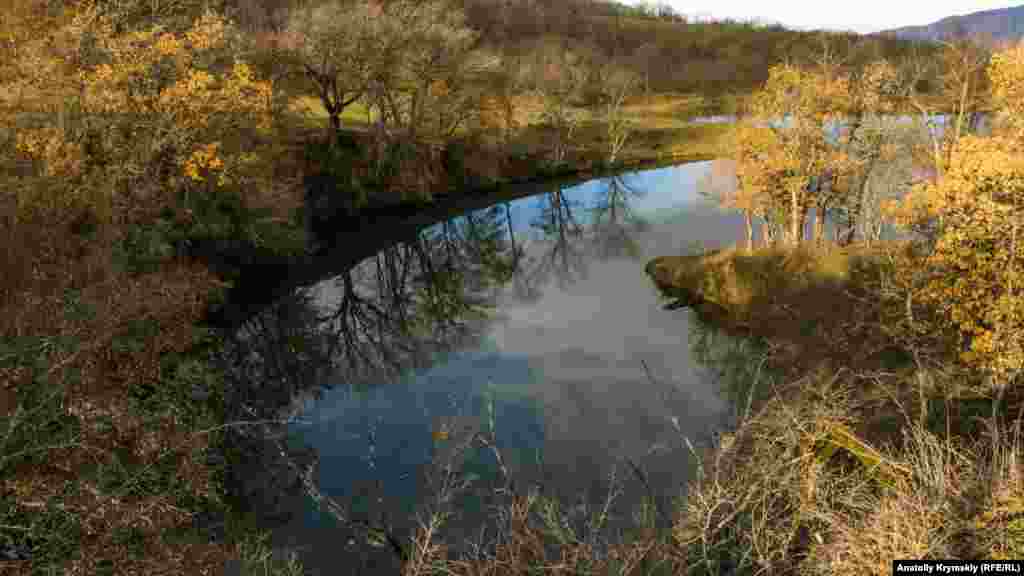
526 332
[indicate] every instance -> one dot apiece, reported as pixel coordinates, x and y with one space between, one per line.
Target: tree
874 138
958 72
416 65
618 84
783 156
560 78
976 205
722 185
564 256
432 82
754 178
140 114
614 222
335 46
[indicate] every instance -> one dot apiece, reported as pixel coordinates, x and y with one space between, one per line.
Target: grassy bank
868 449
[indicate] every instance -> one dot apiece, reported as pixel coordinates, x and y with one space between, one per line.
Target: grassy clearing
659 124
310 112
863 454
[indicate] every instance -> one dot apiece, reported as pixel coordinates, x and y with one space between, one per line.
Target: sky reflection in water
565 368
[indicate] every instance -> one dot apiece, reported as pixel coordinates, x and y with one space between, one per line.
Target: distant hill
1002 24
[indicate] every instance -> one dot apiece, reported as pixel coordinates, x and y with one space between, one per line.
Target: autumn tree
782 153
141 113
110 132
876 138
976 208
431 85
722 185
416 65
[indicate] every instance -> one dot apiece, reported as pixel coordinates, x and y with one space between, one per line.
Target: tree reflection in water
615 224
738 364
395 312
562 254
405 308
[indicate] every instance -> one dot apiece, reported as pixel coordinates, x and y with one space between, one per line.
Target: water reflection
560 232
530 322
738 366
615 223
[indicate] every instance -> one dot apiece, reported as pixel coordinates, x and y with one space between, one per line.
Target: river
530 322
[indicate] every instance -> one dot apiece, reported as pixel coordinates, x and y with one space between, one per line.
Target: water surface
531 322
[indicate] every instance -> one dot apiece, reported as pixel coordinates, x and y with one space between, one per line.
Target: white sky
858 15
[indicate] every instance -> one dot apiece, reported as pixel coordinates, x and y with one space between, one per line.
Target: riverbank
660 132
854 419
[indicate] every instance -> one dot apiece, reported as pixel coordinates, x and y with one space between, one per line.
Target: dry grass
536 533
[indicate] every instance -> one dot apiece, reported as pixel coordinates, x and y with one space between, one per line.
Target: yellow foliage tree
125 118
722 184
754 180
976 208
783 155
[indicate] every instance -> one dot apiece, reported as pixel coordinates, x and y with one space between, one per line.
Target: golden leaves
205 159
1006 72
207 33
168 45
131 96
878 87
59 156
979 201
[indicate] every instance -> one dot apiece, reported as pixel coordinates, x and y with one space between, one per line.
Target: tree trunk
748 221
819 224
335 122
797 217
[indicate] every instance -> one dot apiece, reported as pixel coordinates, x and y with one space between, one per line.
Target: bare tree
431 84
564 256
959 74
618 85
560 81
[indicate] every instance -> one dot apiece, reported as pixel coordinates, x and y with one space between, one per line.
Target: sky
860 16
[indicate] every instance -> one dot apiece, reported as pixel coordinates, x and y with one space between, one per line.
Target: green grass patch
311 110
